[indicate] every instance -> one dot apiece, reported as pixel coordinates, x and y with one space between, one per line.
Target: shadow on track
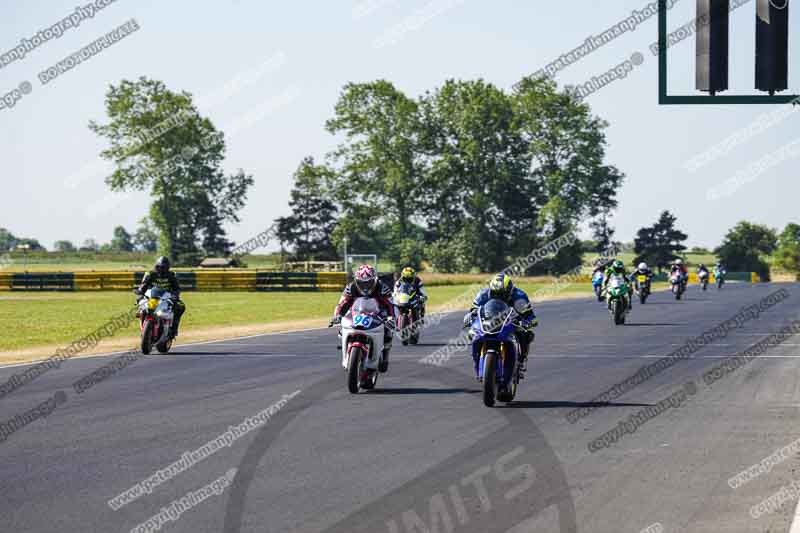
653 324
429 344
422 390
532 404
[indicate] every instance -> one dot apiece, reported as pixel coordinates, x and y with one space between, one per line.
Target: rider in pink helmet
366 284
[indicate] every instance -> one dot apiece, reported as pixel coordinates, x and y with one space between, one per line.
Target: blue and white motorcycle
496 349
597 285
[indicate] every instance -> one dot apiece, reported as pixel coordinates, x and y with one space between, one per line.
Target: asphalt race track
421 452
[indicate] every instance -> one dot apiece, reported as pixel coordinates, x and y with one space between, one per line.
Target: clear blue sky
271 72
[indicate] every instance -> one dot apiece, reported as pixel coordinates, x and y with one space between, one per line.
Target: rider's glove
468 318
335 321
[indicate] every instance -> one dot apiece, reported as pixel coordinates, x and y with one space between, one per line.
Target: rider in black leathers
164 278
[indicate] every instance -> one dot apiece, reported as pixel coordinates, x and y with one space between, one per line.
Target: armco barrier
226 280
200 280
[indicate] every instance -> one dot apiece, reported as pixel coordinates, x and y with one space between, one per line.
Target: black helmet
162 265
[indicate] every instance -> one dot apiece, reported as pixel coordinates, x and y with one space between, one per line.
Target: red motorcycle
156 312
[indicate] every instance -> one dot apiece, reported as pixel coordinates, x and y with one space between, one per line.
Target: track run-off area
295 452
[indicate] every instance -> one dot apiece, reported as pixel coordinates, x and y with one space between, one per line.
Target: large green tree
602 232
660 244
378 158
307 231
787 255
744 247
513 170
476 178
379 165
121 242
160 144
146 237
7 240
63 246
566 153
467 174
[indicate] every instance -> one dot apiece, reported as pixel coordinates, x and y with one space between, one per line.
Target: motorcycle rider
409 275
643 270
502 288
678 266
164 278
702 269
617 268
366 284
600 265
719 271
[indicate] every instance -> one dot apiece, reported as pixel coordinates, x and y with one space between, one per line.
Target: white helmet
642 266
678 262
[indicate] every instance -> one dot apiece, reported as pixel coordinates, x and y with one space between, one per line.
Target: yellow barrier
5 281
331 280
209 280
103 280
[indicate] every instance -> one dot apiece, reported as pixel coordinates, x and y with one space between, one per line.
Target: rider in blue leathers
502 288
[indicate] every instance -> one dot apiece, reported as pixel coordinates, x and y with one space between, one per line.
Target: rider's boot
175 324
523 358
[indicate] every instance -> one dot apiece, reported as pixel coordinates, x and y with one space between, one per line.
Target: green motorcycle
617 295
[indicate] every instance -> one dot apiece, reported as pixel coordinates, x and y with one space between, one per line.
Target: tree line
466 176
747 247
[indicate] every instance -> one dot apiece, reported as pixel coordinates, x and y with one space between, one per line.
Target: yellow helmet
501 286
408 274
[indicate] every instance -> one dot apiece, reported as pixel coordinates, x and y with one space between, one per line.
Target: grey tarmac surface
329 460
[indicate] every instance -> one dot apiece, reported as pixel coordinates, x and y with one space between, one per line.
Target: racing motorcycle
676 279
617 299
156 312
496 348
362 344
597 285
642 286
702 277
719 275
409 307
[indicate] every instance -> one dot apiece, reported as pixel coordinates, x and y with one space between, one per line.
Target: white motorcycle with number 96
362 333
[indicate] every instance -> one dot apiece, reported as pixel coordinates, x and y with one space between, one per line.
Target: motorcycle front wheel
490 378
164 347
402 326
354 369
619 313
147 337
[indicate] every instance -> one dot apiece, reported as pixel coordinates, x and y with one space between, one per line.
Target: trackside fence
194 280
230 280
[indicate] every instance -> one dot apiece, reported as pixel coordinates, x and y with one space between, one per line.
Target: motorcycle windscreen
615 282
365 306
155 292
493 315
